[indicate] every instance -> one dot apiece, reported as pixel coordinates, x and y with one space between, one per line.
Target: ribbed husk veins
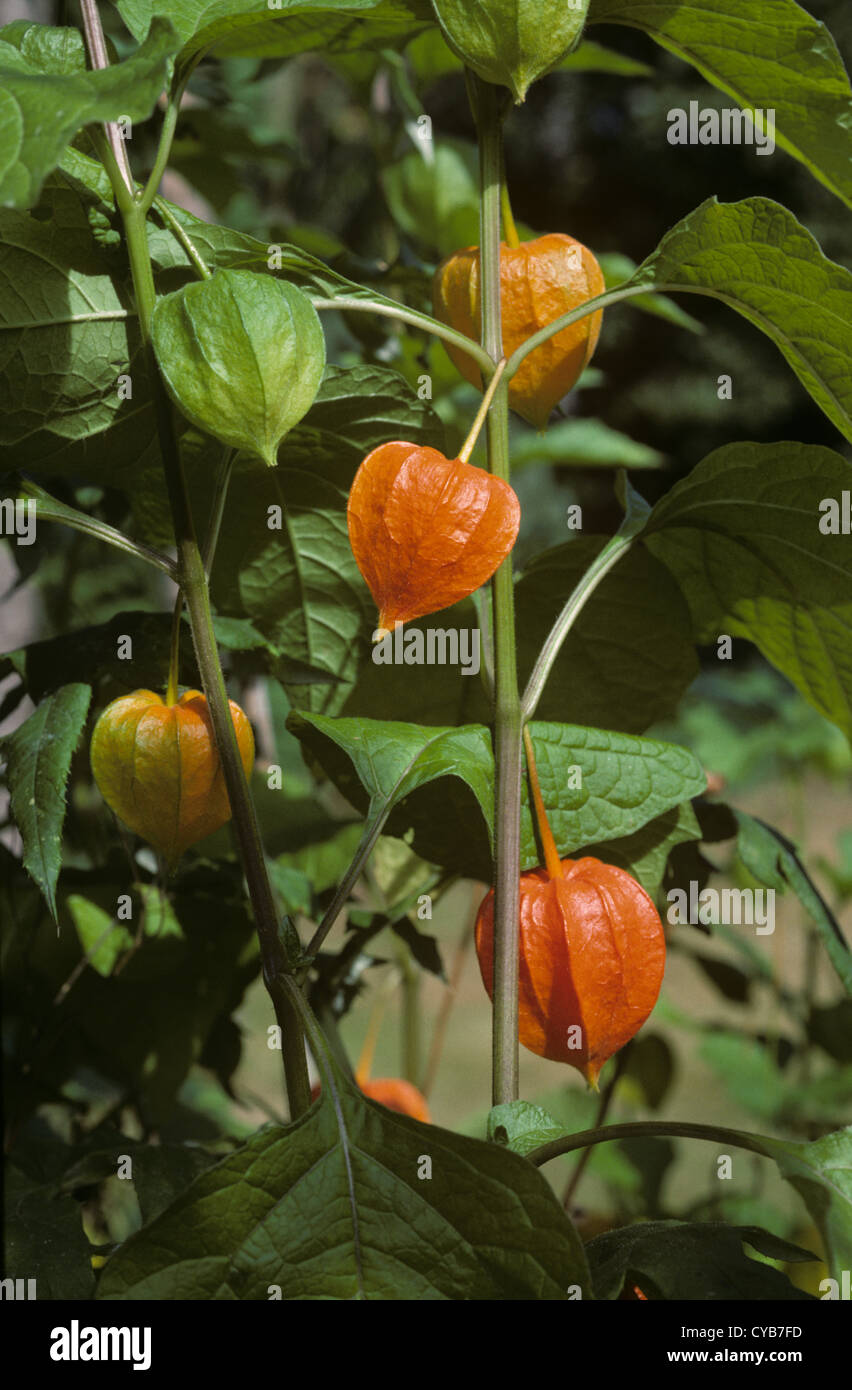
158 768
426 530
540 280
592 956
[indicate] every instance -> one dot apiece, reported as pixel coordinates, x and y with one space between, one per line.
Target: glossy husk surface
426 530
540 280
157 767
592 953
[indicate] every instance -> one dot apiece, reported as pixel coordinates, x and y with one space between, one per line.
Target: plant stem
99 58
612 552
389 310
51 509
439 1031
469 445
510 231
603 1110
167 135
180 233
507 705
174 652
371 834
193 584
652 1129
545 834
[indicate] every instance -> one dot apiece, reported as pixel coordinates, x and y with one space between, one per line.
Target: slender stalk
99 58
510 231
507 705
474 432
439 1032
180 233
217 510
371 834
51 509
545 834
193 583
174 652
410 1012
612 552
603 1110
164 149
388 310
651 1129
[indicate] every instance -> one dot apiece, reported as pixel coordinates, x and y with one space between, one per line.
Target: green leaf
521 1126
433 193
742 536
242 355
41 111
821 1173
338 1211
645 853
773 860
101 936
755 257
241 28
46 49
44 1239
511 42
597 786
629 656
38 759
583 444
691 1260
766 57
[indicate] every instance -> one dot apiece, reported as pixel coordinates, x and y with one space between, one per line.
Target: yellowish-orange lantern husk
540 281
157 766
425 530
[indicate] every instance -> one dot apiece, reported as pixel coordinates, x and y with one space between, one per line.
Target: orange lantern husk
592 955
426 531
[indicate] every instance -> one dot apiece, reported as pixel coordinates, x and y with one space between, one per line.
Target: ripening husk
592 953
158 768
426 530
540 281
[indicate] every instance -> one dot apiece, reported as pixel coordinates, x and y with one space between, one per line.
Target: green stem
654 1129
507 705
174 652
417 320
217 510
193 583
164 149
365 847
410 1012
180 234
51 509
612 552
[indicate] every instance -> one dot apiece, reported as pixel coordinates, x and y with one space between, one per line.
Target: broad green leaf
511 42
625 784
433 193
102 938
242 28
774 861
587 443
242 355
46 49
755 257
333 1207
767 56
597 786
645 853
521 1126
629 656
691 1259
821 1173
42 111
44 1239
742 536
38 759
431 57
593 57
